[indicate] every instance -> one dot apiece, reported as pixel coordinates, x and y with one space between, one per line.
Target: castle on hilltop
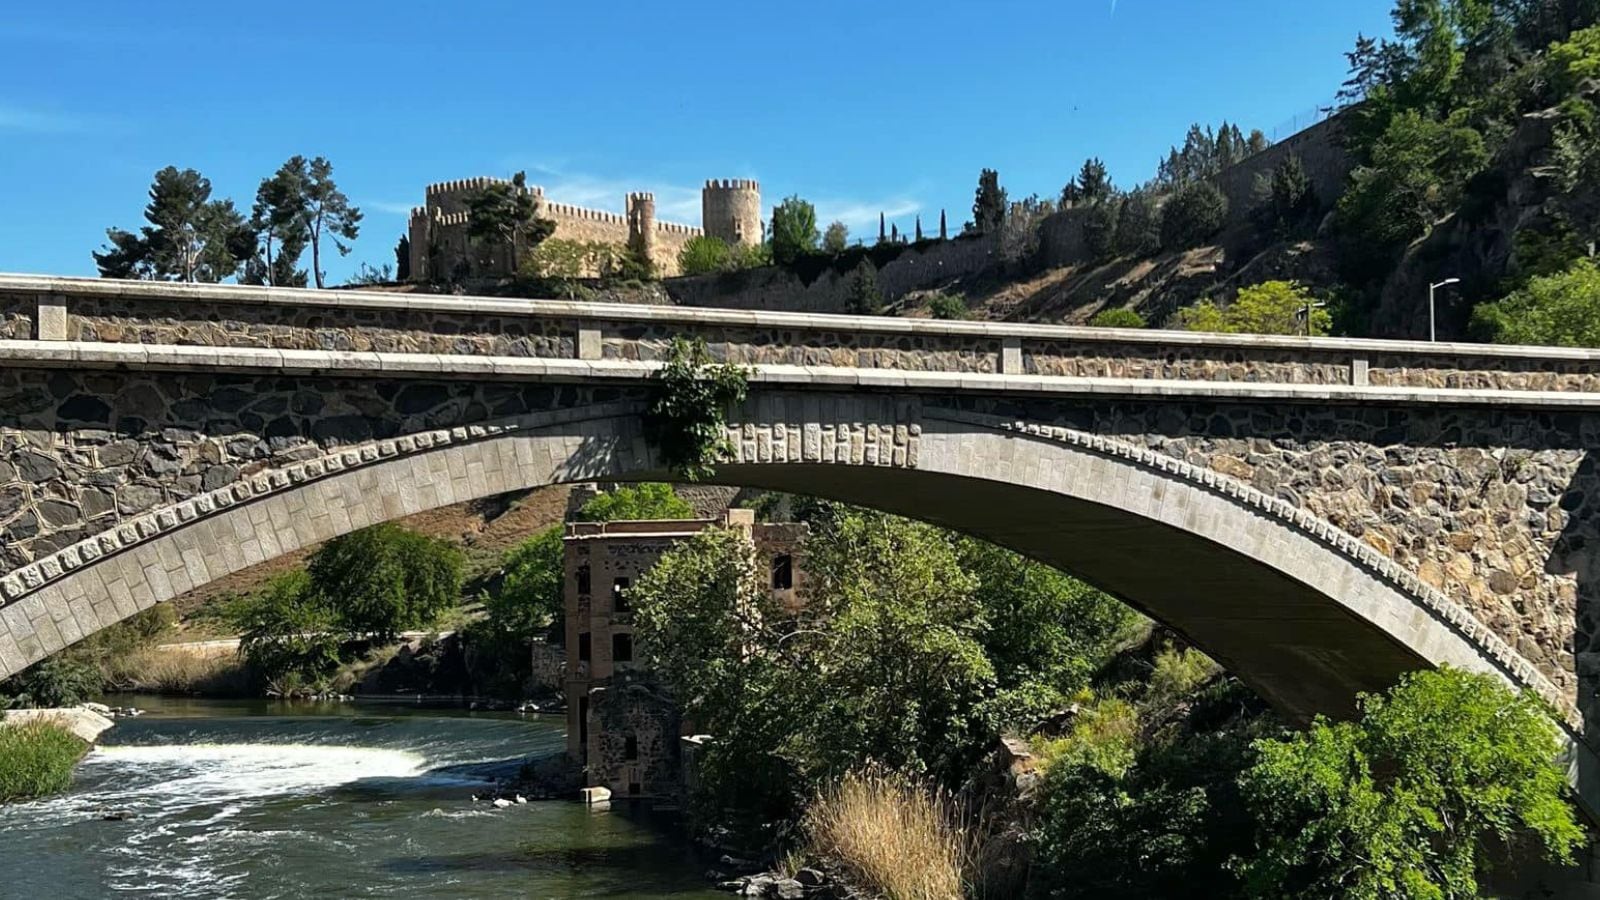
730 209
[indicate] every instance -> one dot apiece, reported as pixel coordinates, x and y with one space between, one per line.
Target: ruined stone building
620 726
730 209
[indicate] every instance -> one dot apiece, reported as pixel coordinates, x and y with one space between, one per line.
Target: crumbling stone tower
642 225
730 209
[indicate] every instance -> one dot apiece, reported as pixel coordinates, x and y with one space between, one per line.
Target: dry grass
175 671
891 834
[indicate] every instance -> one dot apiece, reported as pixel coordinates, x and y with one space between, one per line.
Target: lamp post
1432 332
1304 312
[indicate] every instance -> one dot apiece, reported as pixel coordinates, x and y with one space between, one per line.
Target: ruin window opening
583 579
630 748
585 649
621 648
782 572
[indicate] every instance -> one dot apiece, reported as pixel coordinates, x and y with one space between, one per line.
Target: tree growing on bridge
1410 801
794 230
686 419
190 237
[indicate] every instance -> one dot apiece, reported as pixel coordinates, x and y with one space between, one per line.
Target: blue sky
859 107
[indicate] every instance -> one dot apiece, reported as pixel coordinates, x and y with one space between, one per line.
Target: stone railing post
1011 356
1358 372
50 318
589 342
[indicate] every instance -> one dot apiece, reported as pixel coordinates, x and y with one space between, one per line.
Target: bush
1561 310
1412 800
650 500
947 306
384 579
287 633
1194 213
704 254
897 838
1117 317
36 759
1271 307
62 680
686 418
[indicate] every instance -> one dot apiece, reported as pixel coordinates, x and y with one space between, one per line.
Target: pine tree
1093 182
944 233
505 213
882 235
919 228
989 202
402 259
328 213
279 218
864 298
190 236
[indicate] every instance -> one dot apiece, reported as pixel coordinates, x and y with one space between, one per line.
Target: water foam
197 773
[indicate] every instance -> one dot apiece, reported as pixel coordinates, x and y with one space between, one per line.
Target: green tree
1271 307
190 237
794 230
989 204
650 500
402 258
1561 310
704 254
1094 182
1117 317
328 214
531 598
1409 801
864 298
289 634
836 238
1290 198
505 214
384 579
279 218
1100 230
58 681
1138 224
1194 213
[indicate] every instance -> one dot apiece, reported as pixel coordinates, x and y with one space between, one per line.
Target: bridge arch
1305 613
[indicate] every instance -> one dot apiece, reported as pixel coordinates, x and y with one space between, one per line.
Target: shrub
898 838
947 306
1271 307
1194 213
62 680
287 633
687 414
36 759
1176 674
384 579
1104 736
1560 310
704 254
1117 317
650 500
1412 800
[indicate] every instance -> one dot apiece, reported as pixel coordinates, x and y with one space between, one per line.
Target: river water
263 800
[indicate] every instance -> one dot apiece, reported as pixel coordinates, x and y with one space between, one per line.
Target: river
254 799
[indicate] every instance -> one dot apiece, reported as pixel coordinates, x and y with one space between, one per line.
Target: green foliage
384 579
190 236
279 219
65 679
1100 230
989 203
531 599
402 258
864 298
686 420
946 306
837 237
1574 61
1138 224
1205 153
1093 184
1194 212
704 254
794 230
915 650
288 633
1118 317
1418 170
328 215
505 215
1408 801
1561 310
649 500
1289 201
36 760
1271 307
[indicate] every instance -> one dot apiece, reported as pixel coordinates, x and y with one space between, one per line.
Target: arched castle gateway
441 250
1320 515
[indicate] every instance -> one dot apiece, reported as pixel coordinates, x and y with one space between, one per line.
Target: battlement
566 211
675 228
732 184
466 185
641 196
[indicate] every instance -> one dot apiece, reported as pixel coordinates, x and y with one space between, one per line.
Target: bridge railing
129 323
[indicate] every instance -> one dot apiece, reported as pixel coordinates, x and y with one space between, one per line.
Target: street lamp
1304 313
1432 333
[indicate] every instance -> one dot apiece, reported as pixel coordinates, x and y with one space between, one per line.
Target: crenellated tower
730 209
641 211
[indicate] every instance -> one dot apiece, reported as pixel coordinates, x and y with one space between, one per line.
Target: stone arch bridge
1319 515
